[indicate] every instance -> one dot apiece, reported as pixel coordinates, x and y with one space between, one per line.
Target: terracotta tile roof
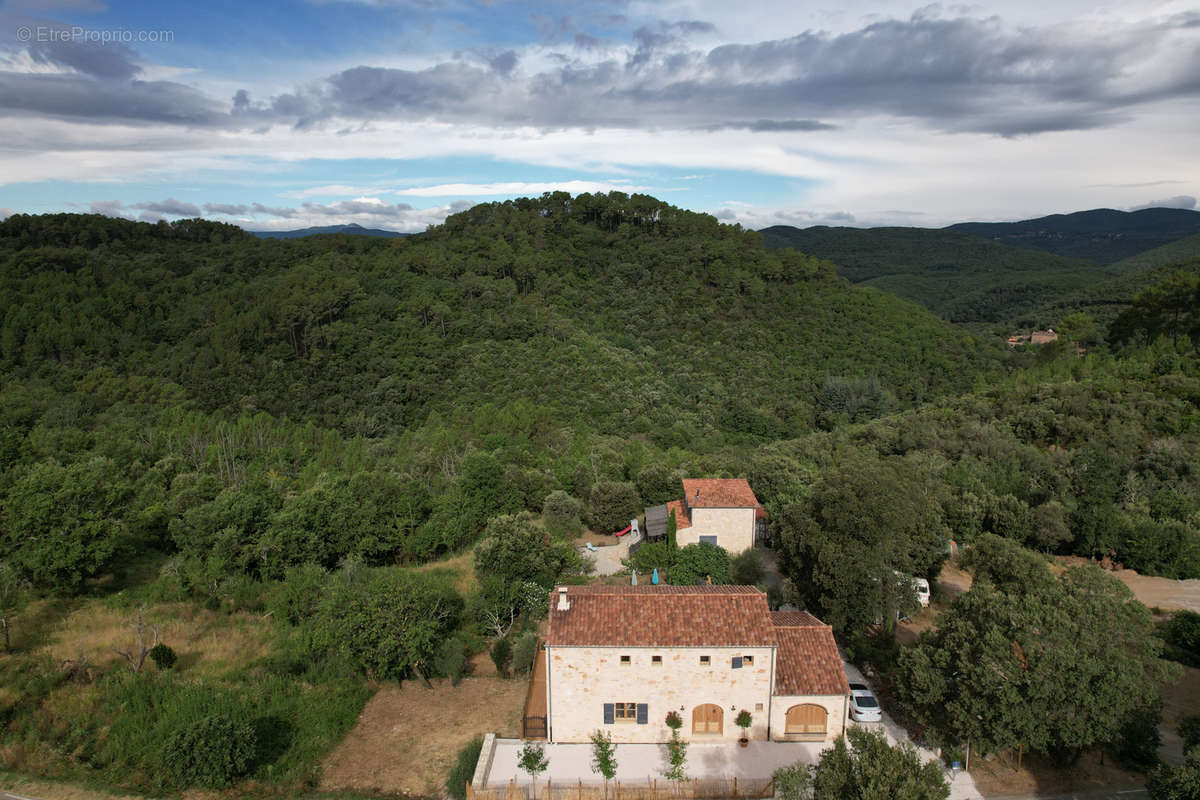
719 493
681 516
666 616
807 661
794 619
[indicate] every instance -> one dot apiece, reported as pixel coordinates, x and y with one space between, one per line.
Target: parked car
922 587
863 705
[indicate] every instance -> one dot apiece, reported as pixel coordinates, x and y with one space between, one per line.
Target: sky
276 115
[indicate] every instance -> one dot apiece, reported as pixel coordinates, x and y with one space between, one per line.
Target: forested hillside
260 445
511 341
962 278
1102 235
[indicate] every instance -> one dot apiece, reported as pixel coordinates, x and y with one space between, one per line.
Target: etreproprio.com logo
48 34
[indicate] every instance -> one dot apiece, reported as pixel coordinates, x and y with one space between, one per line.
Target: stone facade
835 709
733 527
580 680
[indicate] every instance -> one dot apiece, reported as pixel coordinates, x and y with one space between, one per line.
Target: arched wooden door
806 718
707 718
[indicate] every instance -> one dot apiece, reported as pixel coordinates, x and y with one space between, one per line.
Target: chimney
563 603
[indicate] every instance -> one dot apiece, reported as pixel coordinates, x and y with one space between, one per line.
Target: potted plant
743 720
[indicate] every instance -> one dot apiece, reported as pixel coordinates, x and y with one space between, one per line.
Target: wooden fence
650 789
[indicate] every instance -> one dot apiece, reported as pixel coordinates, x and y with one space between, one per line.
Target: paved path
1097 794
962 785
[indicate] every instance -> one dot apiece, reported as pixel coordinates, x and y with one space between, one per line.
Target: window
709 540
705 661
656 661
748 661
758 706
626 661
625 712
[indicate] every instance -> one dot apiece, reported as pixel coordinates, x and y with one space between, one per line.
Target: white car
922 587
863 705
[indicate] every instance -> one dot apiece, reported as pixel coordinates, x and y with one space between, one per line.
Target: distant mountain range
1008 272
1101 235
353 229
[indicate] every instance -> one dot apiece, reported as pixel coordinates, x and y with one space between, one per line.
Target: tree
747 569
136 654
612 505
561 514
871 768
697 563
524 653
514 549
388 623
62 525
865 519
1176 783
13 591
163 656
533 760
793 782
743 720
1053 665
604 757
501 654
676 759
672 527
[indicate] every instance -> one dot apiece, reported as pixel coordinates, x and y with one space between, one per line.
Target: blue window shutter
737 662
643 712
609 714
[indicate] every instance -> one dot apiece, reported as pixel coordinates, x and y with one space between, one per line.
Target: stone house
619 658
720 511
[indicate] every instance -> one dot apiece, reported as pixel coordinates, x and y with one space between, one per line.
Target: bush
747 568
296 597
162 656
450 659
524 653
501 653
651 556
1189 731
613 505
1137 741
464 769
1183 634
212 752
697 562
561 514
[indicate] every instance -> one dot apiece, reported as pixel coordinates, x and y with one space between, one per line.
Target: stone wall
582 679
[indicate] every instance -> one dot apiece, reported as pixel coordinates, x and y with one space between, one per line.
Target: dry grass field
407 737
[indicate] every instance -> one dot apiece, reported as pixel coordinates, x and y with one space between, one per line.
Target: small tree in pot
743 721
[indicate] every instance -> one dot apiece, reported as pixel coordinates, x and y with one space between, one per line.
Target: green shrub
1183 634
296 597
698 562
162 655
747 568
613 505
1189 731
464 769
651 556
212 751
524 653
561 514
501 653
1136 746
450 659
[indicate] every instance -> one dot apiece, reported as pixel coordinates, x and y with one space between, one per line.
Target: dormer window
626 661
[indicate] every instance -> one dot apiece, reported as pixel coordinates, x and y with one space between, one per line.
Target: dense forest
210 425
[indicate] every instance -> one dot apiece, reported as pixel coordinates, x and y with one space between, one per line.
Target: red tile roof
719 493
665 616
807 661
681 516
794 619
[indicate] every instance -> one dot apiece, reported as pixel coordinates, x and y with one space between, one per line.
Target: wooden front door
707 718
806 718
